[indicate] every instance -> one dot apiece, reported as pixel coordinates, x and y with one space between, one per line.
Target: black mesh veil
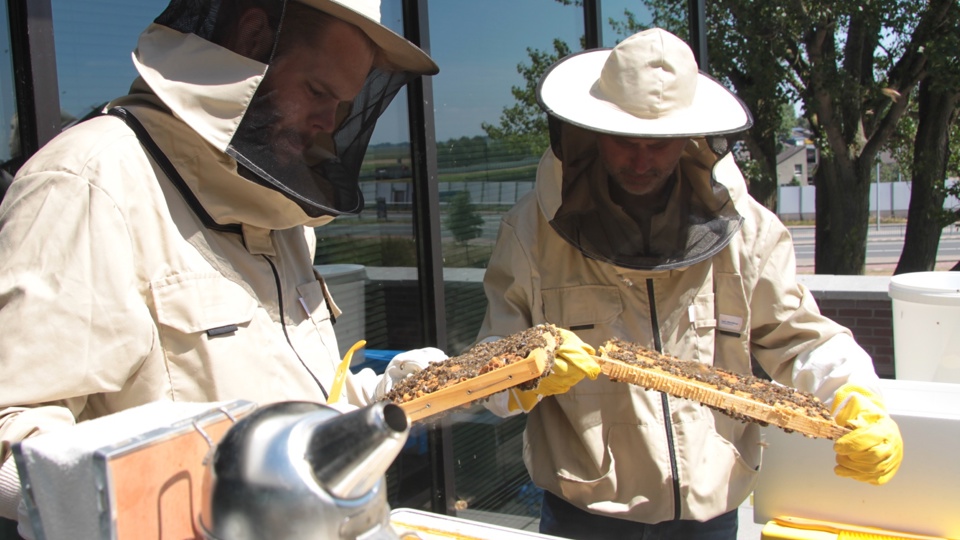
325 182
353 136
323 177
698 220
193 16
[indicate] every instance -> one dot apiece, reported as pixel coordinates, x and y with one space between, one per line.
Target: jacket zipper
276 277
665 404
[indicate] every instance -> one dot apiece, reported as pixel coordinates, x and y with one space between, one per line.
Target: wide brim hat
365 15
646 86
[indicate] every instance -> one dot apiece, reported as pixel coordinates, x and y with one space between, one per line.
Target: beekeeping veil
238 110
648 86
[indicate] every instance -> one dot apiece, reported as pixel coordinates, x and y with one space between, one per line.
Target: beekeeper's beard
275 151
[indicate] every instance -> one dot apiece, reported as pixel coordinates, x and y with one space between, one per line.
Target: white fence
794 203
481 193
892 199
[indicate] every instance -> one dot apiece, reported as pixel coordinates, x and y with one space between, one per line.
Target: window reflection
490 131
378 245
94 41
623 18
490 135
369 262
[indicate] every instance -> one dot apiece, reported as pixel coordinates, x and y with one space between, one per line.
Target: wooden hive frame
743 405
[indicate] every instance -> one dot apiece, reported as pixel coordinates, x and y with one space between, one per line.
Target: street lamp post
878 194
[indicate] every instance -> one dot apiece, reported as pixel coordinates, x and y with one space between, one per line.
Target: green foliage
666 14
524 125
520 173
462 218
382 251
478 150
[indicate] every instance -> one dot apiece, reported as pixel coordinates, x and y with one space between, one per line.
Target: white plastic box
797 478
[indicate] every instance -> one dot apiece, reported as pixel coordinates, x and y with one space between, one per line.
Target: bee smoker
304 470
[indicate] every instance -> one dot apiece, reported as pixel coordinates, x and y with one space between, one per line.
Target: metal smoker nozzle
351 452
304 470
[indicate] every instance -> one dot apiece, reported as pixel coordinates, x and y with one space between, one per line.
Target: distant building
797 162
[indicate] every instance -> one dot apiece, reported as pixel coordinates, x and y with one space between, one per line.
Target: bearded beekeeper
164 250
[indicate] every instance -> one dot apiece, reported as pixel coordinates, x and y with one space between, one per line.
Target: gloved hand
872 452
405 364
573 360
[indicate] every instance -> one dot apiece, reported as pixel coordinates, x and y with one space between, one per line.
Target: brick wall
872 326
860 303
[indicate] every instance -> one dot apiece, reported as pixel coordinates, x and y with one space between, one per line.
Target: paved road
883 246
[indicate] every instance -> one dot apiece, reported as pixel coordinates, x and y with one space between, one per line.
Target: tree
936 131
853 65
856 88
463 220
524 125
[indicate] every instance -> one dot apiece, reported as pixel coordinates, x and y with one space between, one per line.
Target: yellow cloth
873 450
573 360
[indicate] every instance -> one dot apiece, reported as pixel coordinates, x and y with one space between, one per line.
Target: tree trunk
763 186
925 216
765 192
843 208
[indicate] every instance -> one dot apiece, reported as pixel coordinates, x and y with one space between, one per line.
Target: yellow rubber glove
522 400
873 450
573 360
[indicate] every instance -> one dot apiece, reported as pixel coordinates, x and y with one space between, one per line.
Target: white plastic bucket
926 326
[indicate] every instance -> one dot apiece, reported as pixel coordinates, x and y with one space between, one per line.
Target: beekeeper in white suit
641 228
164 250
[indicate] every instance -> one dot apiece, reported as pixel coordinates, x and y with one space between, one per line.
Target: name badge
730 323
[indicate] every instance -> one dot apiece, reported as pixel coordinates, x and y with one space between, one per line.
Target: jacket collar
212 175
203 84
190 96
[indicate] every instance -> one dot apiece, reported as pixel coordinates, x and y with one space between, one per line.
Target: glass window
490 135
369 261
94 40
379 243
490 59
9 138
622 18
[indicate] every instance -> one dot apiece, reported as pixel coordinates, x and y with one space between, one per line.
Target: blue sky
477 45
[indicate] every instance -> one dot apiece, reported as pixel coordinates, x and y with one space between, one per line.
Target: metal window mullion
426 217
697 21
35 73
592 24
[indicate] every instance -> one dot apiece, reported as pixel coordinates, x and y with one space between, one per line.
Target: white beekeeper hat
646 86
365 14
